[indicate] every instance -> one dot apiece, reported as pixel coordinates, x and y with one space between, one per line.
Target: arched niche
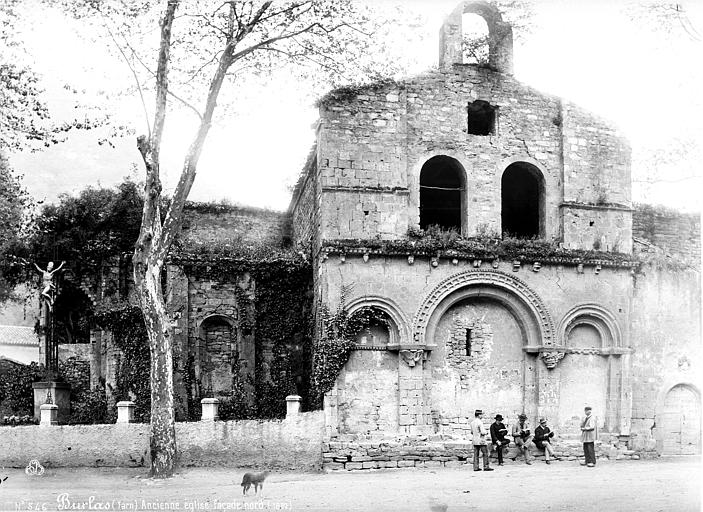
215 352
592 367
396 322
523 303
595 316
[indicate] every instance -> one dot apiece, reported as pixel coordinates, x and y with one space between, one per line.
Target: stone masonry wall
303 210
272 444
373 143
213 223
352 453
667 330
676 233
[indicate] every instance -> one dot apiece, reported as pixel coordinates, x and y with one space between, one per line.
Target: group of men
522 435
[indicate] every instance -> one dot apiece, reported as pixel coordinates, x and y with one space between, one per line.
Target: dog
255 479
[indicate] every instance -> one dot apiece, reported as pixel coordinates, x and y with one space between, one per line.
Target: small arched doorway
367 387
522 201
680 421
218 341
442 184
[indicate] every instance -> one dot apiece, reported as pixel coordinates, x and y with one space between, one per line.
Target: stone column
413 408
547 381
625 406
177 309
246 343
330 410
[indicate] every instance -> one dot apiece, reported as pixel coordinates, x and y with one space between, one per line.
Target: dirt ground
661 485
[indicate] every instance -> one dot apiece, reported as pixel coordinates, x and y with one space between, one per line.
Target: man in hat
589 434
542 440
498 433
521 435
478 434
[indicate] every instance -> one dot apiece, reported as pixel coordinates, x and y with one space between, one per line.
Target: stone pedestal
125 412
210 409
49 414
292 405
60 396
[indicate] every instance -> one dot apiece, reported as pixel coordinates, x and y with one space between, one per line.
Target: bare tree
203 46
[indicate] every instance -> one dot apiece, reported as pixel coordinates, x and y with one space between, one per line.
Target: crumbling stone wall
676 233
206 222
304 206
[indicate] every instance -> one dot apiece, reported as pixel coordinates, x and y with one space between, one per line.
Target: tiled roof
18 335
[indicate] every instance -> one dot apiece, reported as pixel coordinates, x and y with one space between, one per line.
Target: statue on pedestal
51 388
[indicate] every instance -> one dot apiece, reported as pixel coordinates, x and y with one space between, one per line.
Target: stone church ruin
491 230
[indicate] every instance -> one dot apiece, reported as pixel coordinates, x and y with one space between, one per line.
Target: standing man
521 435
498 433
542 440
478 434
589 434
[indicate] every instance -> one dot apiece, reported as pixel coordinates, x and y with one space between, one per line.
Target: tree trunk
162 442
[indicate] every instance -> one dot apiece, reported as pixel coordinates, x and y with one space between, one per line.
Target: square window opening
481 118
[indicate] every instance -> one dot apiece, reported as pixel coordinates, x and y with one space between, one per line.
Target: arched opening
367 388
522 201
218 338
373 327
679 422
442 193
474 39
583 377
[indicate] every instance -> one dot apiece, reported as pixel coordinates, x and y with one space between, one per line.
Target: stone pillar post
125 411
49 415
625 408
210 412
413 413
329 407
547 377
177 308
292 405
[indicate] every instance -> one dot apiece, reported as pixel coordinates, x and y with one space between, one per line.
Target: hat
523 416
587 408
543 420
499 417
478 411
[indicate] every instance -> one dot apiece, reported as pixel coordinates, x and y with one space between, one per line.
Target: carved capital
552 358
411 356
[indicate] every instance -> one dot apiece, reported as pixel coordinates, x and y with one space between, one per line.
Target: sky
643 78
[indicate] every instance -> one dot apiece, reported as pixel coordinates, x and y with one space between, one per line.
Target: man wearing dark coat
542 440
498 433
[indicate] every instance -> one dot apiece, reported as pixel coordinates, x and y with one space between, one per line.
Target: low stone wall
272 444
352 453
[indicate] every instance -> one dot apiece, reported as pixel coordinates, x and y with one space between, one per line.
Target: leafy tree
15 204
85 230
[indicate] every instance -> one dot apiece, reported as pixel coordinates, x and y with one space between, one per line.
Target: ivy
281 324
338 331
436 242
134 364
16 393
